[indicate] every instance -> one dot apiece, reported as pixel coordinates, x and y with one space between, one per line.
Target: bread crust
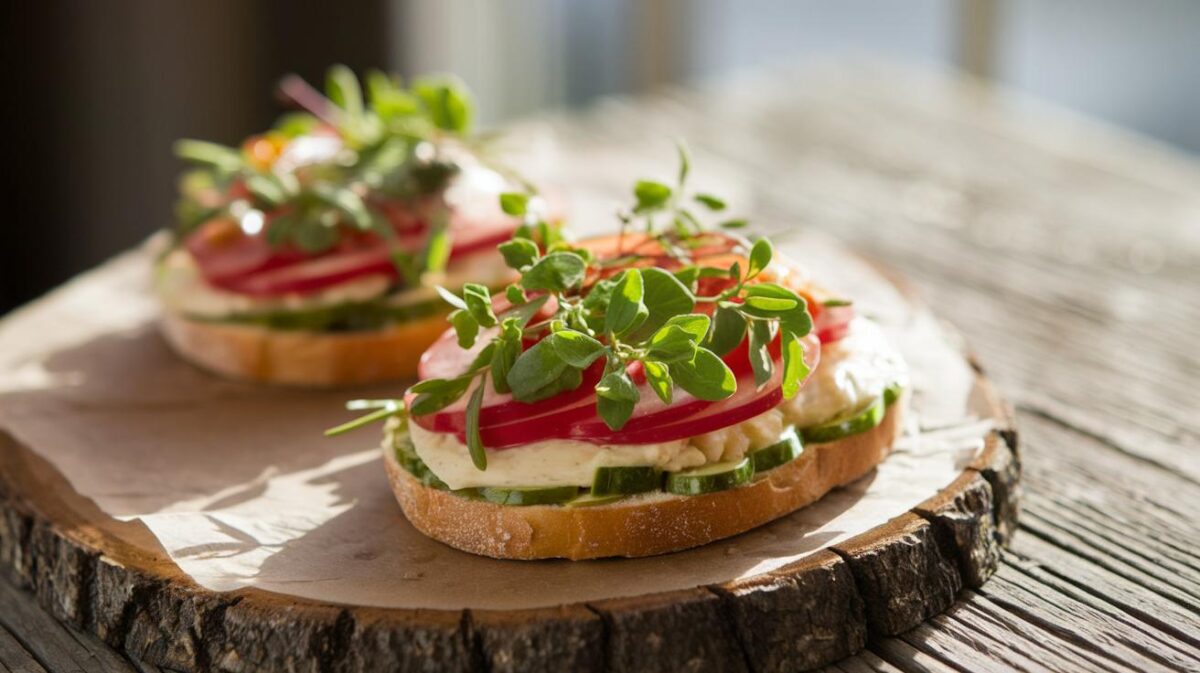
303 358
641 526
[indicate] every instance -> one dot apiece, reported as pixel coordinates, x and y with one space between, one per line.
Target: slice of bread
641 525
301 358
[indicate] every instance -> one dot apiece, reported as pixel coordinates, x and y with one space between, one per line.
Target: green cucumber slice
710 478
547 495
626 480
409 460
787 449
864 420
592 500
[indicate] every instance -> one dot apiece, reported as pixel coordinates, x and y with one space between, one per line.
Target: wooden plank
51 643
14 657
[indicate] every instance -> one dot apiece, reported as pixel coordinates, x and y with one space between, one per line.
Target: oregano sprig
571 318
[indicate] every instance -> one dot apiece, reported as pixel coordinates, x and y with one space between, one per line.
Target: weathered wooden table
1067 253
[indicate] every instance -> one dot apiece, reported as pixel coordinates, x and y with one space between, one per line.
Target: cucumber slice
417 468
547 495
626 480
592 500
841 428
710 478
787 449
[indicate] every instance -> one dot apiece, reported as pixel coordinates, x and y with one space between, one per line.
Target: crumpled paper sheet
240 488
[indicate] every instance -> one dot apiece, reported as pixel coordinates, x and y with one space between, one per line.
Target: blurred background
97 91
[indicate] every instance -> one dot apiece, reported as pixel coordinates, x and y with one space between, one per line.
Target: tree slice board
77 367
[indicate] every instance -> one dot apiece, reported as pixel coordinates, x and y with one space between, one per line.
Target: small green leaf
514 294
734 224
342 88
450 298
711 202
558 272
664 296
447 101
672 344
650 194
626 310
222 158
836 303
695 324
727 330
616 396
514 203
658 375
760 356
536 372
685 162
267 189
381 409
437 394
688 275
508 348
706 377
483 358
347 202
465 326
772 304
519 252
479 303
437 249
795 369
474 441
525 312
760 257
576 348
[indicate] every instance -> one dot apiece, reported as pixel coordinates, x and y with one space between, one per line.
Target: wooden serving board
113 454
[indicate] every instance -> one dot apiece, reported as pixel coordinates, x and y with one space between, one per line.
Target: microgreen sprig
641 317
386 149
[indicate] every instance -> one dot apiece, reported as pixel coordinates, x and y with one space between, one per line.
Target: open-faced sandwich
309 255
638 394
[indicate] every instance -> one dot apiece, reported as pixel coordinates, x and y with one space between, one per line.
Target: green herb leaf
706 377
688 275
672 344
658 375
479 303
483 358
616 396
226 159
514 203
474 441
437 249
347 202
508 348
760 356
558 272
664 296
342 88
685 162
734 224
835 303
465 326
576 348
711 202
514 294
519 252
437 394
795 369
626 310
771 304
727 330
525 312
535 371
760 256
650 194
447 101
695 324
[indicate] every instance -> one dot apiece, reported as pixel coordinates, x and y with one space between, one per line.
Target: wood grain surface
1067 252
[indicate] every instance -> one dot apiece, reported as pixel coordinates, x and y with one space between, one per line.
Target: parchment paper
241 489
